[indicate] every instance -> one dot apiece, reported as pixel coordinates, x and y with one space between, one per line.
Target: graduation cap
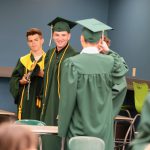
93 29
60 24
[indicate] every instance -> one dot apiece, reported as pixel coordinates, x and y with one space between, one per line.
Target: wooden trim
131 80
40 129
6 71
5 112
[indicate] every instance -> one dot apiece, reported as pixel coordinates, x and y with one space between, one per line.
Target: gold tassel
38 103
19 113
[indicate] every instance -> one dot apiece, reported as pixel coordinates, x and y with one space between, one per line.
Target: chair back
30 122
86 143
140 93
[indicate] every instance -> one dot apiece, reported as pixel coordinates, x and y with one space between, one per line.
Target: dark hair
15 137
33 31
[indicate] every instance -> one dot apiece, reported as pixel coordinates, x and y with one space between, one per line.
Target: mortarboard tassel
50 41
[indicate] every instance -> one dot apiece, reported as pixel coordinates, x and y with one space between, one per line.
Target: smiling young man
61 36
61 39
27 77
54 57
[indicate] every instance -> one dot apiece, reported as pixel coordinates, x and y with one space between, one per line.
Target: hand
24 80
103 47
41 73
107 40
147 147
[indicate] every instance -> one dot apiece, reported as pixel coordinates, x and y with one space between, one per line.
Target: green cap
60 24
93 29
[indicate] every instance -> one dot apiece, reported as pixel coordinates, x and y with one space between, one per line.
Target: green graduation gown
143 137
51 96
30 107
92 92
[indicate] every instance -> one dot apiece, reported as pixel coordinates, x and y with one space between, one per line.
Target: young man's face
35 42
61 39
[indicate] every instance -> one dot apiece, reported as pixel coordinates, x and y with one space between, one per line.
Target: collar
28 60
90 50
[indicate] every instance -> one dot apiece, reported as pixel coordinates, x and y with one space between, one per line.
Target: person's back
92 63
93 90
93 106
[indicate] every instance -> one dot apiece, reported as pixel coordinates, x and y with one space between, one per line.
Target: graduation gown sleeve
68 74
14 81
119 81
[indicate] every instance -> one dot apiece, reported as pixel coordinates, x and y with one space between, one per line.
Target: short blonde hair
15 137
